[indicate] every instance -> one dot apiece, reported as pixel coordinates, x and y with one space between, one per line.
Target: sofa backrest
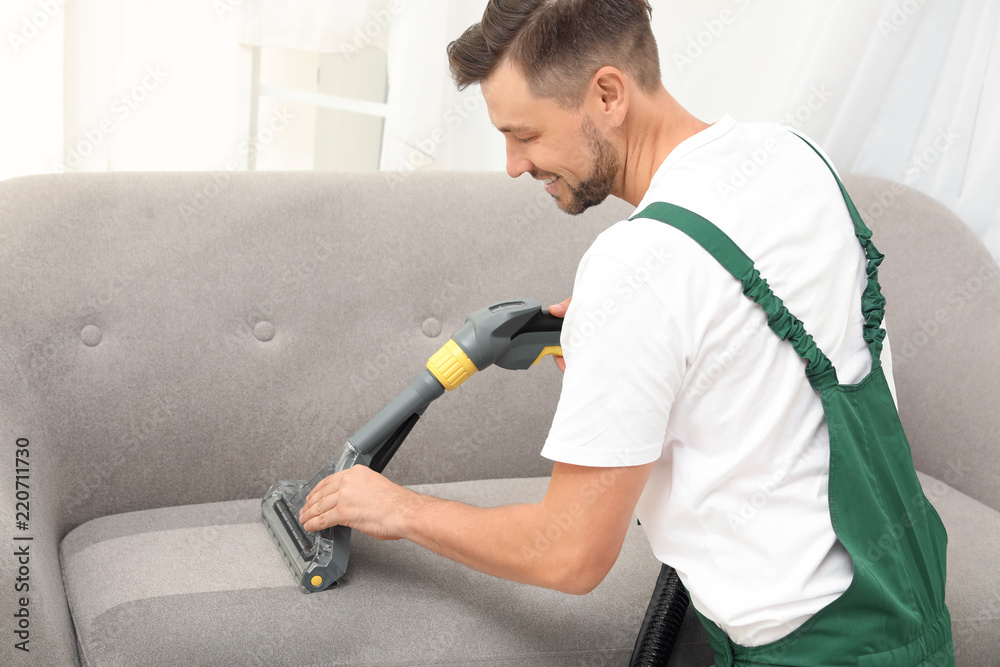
175 338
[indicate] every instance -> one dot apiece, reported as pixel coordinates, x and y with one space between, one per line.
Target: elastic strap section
872 301
786 326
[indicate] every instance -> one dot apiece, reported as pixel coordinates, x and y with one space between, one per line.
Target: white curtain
920 102
430 124
156 86
904 89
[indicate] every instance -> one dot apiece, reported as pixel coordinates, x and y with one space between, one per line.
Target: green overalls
893 613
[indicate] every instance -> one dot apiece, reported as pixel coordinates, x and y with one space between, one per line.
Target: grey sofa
174 343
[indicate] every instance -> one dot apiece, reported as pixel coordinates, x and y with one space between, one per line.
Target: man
679 402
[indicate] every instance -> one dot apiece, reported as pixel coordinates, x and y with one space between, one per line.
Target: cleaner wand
510 334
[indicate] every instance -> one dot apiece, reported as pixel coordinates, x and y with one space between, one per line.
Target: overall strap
786 326
872 301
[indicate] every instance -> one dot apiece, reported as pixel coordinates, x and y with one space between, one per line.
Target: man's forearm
508 542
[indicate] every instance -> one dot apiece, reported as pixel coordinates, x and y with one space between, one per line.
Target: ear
609 95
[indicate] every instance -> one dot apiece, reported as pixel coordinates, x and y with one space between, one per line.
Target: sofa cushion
205 584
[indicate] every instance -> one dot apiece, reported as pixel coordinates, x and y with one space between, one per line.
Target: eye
525 140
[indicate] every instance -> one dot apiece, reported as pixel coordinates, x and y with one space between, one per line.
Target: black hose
662 623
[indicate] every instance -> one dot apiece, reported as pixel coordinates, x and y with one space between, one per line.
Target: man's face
564 149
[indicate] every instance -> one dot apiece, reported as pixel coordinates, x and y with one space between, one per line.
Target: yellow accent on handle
554 350
451 365
316 581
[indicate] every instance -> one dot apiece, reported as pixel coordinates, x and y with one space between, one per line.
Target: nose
517 163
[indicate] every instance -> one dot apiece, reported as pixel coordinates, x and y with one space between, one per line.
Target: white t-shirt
668 361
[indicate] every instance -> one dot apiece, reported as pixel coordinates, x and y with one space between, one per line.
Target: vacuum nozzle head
317 560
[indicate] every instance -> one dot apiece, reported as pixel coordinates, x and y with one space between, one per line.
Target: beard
597 187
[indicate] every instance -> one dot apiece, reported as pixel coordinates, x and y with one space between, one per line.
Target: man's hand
568 541
559 310
360 498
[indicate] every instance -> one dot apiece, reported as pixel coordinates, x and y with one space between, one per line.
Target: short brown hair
559 44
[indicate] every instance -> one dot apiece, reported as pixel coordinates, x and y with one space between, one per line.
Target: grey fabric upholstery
174 343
